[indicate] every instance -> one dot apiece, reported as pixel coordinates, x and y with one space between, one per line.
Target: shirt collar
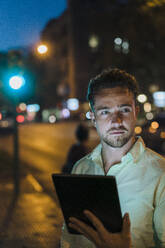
96 155
137 149
134 154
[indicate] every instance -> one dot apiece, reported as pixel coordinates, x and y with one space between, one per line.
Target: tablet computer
98 194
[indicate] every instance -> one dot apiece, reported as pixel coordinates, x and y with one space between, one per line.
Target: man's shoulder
155 159
85 163
82 163
148 152
154 154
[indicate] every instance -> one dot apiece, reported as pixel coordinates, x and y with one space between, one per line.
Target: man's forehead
109 98
115 93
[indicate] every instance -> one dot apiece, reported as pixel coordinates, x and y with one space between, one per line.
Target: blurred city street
58 47
33 217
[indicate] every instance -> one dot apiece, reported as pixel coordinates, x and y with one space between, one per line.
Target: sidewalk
30 219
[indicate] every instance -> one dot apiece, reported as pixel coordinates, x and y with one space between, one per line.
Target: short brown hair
111 78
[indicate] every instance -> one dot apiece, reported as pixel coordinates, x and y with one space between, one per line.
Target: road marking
34 183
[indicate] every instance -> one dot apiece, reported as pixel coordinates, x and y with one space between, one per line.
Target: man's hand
101 237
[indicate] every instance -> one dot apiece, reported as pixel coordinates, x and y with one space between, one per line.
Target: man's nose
116 118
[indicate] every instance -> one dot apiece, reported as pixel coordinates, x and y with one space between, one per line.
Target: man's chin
116 143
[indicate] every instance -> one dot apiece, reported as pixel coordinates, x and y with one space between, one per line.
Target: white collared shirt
140 179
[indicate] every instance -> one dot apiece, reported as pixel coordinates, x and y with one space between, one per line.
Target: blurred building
92 35
80 47
55 64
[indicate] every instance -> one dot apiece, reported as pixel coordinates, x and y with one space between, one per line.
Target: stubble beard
117 141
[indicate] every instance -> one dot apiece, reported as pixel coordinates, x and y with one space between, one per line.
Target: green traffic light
16 82
18 85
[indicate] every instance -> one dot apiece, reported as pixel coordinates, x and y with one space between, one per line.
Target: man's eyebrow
106 107
126 105
101 107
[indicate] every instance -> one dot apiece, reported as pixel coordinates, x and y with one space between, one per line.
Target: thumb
126 225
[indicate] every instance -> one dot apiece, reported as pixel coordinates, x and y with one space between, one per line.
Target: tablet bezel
96 193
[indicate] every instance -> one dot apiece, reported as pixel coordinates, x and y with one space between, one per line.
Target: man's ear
92 117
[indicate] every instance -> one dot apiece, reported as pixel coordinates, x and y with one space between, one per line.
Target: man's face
115 116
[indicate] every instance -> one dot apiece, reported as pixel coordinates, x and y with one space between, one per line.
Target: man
139 172
78 149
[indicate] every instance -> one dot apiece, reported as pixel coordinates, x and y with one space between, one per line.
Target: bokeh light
152 130
162 134
93 41
33 107
16 82
66 113
52 118
88 115
159 98
20 118
118 41
147 107
42 49
138 130
142 98
154 124
153 88
73 104
149 116
22 106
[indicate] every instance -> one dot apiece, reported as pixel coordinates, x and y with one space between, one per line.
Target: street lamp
42 49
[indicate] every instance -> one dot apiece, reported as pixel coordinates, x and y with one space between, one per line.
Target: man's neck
112 156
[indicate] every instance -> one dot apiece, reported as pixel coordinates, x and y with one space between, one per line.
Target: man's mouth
117 131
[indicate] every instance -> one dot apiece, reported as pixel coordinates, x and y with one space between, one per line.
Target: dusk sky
21 21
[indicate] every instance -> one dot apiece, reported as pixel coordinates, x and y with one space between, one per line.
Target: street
34 219
44 147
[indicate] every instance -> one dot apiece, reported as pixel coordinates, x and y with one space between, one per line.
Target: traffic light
15 85
18 85
16 82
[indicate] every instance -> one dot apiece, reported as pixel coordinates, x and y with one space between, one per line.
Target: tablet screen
96 193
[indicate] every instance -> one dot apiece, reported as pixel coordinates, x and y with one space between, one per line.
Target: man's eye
126 110
104 112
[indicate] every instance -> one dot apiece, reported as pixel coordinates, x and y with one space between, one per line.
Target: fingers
81 227
101 237
86 230
74 223
94 220
126 225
